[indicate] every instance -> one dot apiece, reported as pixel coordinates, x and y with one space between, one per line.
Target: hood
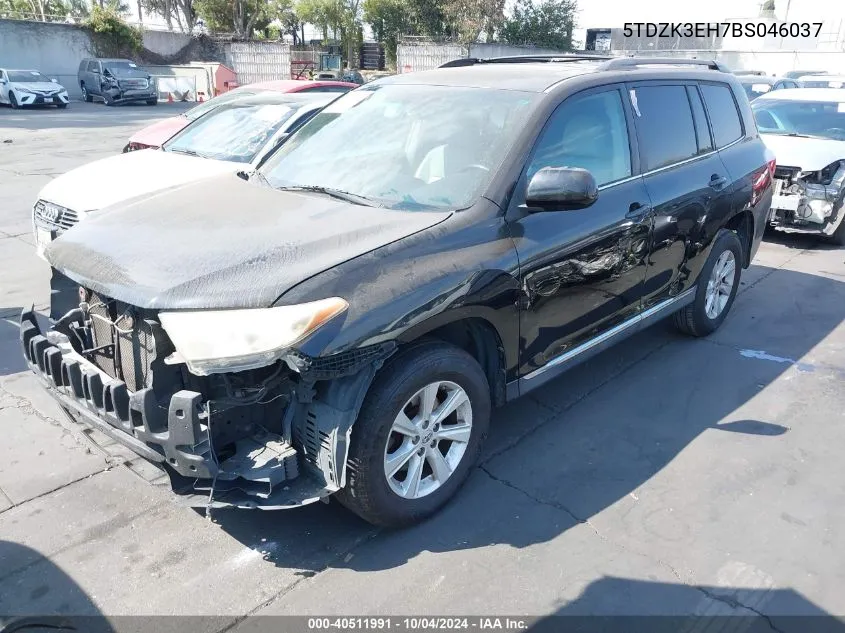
125 176
809 154
222 243
122 72
40 86
157 133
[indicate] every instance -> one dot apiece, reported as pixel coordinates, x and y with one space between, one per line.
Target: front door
581 271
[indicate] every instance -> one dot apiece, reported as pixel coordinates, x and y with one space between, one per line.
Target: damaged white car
806 131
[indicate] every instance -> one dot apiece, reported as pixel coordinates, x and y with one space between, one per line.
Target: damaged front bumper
284 453
808 202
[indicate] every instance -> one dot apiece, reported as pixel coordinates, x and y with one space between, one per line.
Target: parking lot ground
666 476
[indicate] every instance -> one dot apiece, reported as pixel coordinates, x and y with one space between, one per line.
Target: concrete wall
57 49
54 49
165 43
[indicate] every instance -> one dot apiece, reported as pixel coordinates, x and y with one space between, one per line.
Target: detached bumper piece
261 472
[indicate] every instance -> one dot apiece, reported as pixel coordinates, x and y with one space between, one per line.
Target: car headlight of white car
217 341
24 90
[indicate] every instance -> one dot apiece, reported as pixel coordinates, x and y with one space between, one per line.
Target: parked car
755 86
21 88
116 81
806 131
755 73
344 320
154 135
353 76
233 137
822 81
797 74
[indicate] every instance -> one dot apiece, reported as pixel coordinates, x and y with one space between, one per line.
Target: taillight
761 179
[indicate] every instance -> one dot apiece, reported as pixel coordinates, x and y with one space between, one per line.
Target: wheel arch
742 223
472 332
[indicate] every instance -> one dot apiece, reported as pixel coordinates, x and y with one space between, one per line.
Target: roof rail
516 59
633 62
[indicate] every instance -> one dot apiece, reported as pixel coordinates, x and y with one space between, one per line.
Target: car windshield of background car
236 132
405 146
820 119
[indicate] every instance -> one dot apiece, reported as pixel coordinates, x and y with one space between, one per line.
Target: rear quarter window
724 115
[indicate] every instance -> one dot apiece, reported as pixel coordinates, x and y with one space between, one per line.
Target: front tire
417 436
717 285
152 102
13 101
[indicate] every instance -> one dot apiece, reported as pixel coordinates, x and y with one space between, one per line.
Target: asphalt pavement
667 476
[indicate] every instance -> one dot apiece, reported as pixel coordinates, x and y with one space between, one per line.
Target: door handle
717 182
637 210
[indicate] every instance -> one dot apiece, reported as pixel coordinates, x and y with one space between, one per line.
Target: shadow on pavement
612 435
56 602
620 605
11 354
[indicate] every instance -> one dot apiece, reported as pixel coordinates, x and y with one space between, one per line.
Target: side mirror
561 188
2 82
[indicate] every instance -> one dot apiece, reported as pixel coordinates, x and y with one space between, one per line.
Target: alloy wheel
720 285
428 439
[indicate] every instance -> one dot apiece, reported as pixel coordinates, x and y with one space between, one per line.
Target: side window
724 116
92 66
702 130
586 131
665 127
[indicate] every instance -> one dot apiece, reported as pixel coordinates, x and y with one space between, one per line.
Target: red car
154 135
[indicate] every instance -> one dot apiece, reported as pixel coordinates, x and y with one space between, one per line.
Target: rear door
685 179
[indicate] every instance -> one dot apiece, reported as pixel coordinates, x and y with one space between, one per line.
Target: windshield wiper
800 135
334 193
187 152
257 175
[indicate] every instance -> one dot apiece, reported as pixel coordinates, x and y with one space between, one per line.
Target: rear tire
85 95
717 286
430 372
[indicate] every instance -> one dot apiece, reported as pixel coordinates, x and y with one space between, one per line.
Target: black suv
116 81
344 318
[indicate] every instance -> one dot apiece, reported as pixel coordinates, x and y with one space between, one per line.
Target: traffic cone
169 97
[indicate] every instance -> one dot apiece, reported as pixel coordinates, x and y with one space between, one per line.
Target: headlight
217 341
24 90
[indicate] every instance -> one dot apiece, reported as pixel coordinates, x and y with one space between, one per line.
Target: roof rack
633 62
516 59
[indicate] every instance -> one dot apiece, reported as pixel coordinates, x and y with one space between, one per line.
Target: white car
29 87
235 137
822 81
805 129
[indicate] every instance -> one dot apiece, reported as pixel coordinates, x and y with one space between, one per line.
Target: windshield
123 68
234 132
20 76
212 104
405 146
823 119
755 89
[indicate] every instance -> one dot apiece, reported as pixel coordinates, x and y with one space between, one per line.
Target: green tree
112 36
389 20
180 11
239 17
548 24
469 18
